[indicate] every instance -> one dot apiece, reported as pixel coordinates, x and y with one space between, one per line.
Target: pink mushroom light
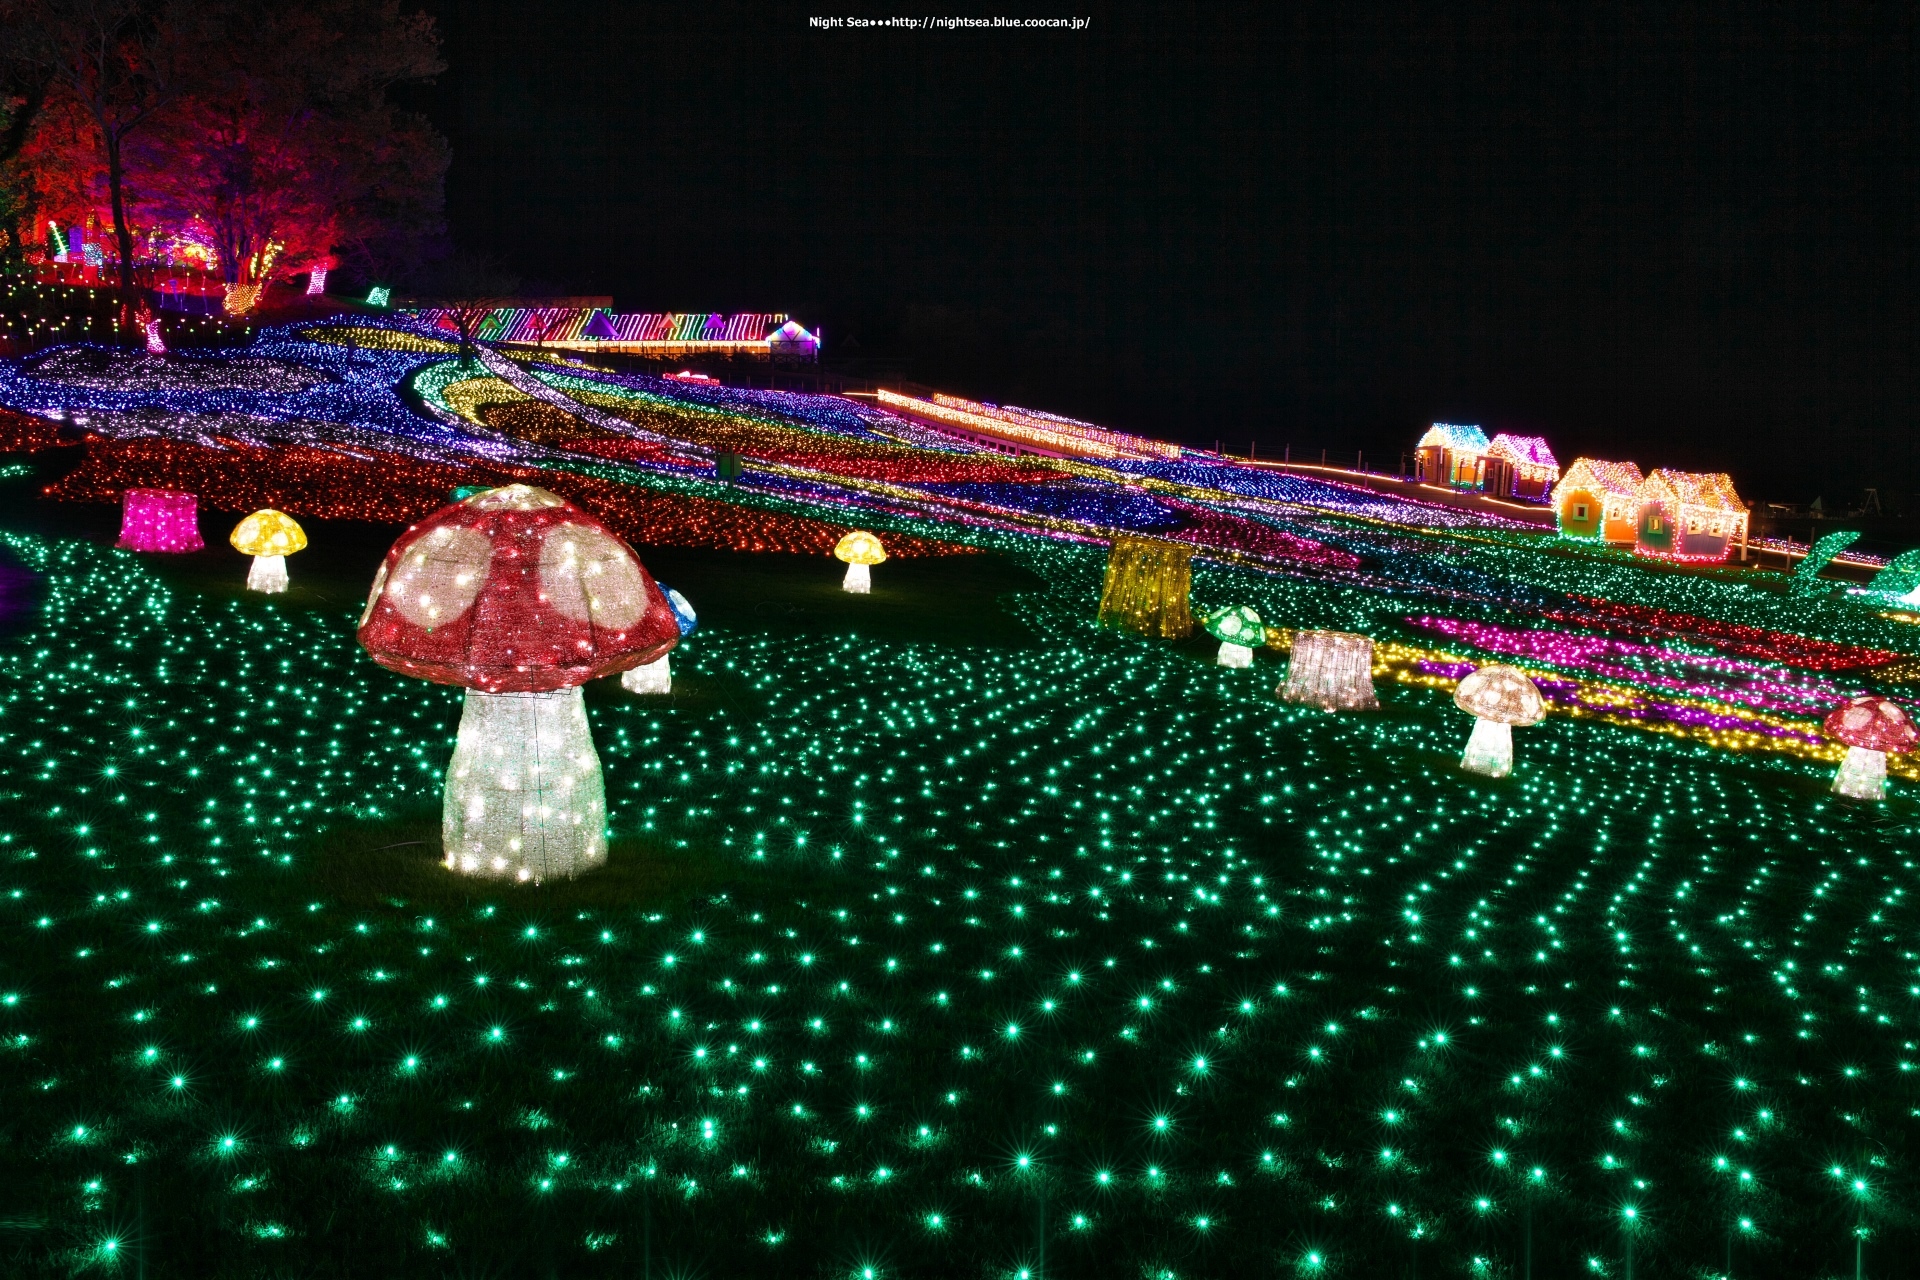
1870 727
159 520
520 597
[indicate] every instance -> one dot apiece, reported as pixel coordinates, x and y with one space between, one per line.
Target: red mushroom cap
1876 724
514 590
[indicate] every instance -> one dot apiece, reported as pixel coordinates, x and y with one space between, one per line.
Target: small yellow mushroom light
269 537
858 550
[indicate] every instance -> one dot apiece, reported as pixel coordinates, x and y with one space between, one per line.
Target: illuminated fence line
1050 435
1120 441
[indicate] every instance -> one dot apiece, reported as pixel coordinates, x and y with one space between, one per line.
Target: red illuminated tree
24 84
289 151
115 65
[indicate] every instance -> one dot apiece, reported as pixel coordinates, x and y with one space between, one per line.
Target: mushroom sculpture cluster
858 550
1237 627
1870 727
268 536
657 676
520 597
1499 697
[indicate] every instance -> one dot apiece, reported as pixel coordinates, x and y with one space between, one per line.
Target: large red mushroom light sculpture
520 597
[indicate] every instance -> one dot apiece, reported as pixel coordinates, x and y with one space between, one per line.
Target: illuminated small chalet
1597 499
1520 467
1688 515
1452 455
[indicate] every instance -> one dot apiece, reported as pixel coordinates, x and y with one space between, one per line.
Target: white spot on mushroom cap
589 575
439 576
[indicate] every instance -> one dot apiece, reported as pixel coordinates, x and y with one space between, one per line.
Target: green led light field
941 943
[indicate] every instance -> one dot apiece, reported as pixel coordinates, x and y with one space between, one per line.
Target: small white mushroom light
859 549
657 676
1332 670
1499 697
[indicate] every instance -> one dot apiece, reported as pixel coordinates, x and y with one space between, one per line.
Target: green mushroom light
1237 628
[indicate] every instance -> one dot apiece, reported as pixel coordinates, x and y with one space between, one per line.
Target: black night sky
1676 234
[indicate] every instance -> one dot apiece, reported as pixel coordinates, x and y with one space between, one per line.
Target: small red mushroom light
1870 727
520 597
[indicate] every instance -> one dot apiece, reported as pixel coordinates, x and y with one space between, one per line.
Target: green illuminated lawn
943 935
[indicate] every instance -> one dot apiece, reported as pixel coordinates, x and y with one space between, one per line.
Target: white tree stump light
1332 670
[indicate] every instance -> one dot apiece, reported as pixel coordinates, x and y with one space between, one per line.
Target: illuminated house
1520 467
1596 499
1688 515
1452 455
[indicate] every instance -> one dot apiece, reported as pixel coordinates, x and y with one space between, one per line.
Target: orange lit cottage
1452 455
1597 499
1520 467
1688 515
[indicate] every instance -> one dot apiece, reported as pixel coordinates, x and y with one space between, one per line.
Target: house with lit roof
1599 499
1688 515
1452 455
1520 467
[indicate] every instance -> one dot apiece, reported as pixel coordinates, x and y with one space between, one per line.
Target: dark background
1676 234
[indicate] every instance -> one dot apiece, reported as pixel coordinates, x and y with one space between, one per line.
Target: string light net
1146 588
1499 697
159 520
1332 670
241 298
521 597
859 549
268 536
1238 628
1870 727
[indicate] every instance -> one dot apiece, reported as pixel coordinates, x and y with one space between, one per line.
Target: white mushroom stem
1490 748
1863 775
268 574
858 580
1235 655
524 796
654 677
